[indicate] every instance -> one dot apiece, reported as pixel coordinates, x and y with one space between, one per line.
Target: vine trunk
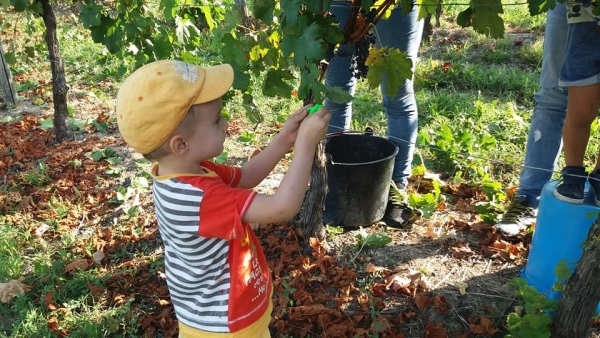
59 83
577 306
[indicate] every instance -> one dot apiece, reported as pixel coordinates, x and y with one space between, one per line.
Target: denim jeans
398 31
544 142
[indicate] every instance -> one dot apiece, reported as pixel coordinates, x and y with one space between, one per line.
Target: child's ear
178 145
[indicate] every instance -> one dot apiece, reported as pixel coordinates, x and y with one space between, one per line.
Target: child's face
209 131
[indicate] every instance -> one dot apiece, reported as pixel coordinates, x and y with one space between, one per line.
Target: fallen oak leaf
486 327
79 263
52 324
440 304
370 268
435 330
461 251
422 301
430 233
14 287
98 257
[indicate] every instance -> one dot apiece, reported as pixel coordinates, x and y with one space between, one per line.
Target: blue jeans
398 31
544 142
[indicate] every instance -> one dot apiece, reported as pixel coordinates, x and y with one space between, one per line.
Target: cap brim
218 80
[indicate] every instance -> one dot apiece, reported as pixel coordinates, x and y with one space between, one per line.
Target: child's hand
314 128
292 124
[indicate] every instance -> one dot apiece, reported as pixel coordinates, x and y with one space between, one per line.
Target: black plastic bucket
359 171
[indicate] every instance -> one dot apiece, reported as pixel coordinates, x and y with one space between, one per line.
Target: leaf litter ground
443 276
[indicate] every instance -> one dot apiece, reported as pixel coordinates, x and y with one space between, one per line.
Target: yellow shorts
260 329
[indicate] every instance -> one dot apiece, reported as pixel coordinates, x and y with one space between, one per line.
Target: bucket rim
394 153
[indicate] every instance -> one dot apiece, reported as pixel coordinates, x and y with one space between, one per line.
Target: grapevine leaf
464 18
596 8
540 6
337 94
313 5
184 30
162 47
397 67
275 85
21 5
10 58
257 53
233 16
113 39
169 8
326 4
233 53
5 3
308 77
513 321
208 17
251 111
488 23
290 9
306 47
366 4
407 6
263 10
331 32
89 15
241 80
562 271
486 18
376 240
427 7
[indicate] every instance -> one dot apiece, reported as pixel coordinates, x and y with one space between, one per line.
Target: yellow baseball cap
152 101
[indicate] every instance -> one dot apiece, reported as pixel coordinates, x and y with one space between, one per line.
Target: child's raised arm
288 197
258 167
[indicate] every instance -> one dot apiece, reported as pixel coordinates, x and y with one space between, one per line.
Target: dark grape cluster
361 51
357 54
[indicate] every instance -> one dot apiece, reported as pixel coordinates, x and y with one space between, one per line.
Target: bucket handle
368 131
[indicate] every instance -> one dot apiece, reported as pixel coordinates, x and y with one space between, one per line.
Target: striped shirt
216 271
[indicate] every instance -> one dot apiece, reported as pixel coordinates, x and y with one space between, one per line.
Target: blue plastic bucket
560 231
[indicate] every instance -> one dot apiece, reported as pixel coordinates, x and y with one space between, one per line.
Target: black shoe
396 215
397 212
594 179
519 216
571 185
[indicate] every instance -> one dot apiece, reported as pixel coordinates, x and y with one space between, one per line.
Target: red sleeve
230 175
222 208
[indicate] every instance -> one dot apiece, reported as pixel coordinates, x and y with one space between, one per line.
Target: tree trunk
310 218
59 83
246 17
582 294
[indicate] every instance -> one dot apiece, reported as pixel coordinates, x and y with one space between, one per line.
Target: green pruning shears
314 108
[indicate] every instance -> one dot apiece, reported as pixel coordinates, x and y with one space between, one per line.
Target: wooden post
6 81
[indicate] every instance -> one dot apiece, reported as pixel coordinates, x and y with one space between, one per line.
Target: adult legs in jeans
398 31
545 134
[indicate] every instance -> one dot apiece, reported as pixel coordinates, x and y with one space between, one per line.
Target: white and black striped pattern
197 268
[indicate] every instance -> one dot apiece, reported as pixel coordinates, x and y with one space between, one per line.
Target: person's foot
397 212
594 179
571 186
519 216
